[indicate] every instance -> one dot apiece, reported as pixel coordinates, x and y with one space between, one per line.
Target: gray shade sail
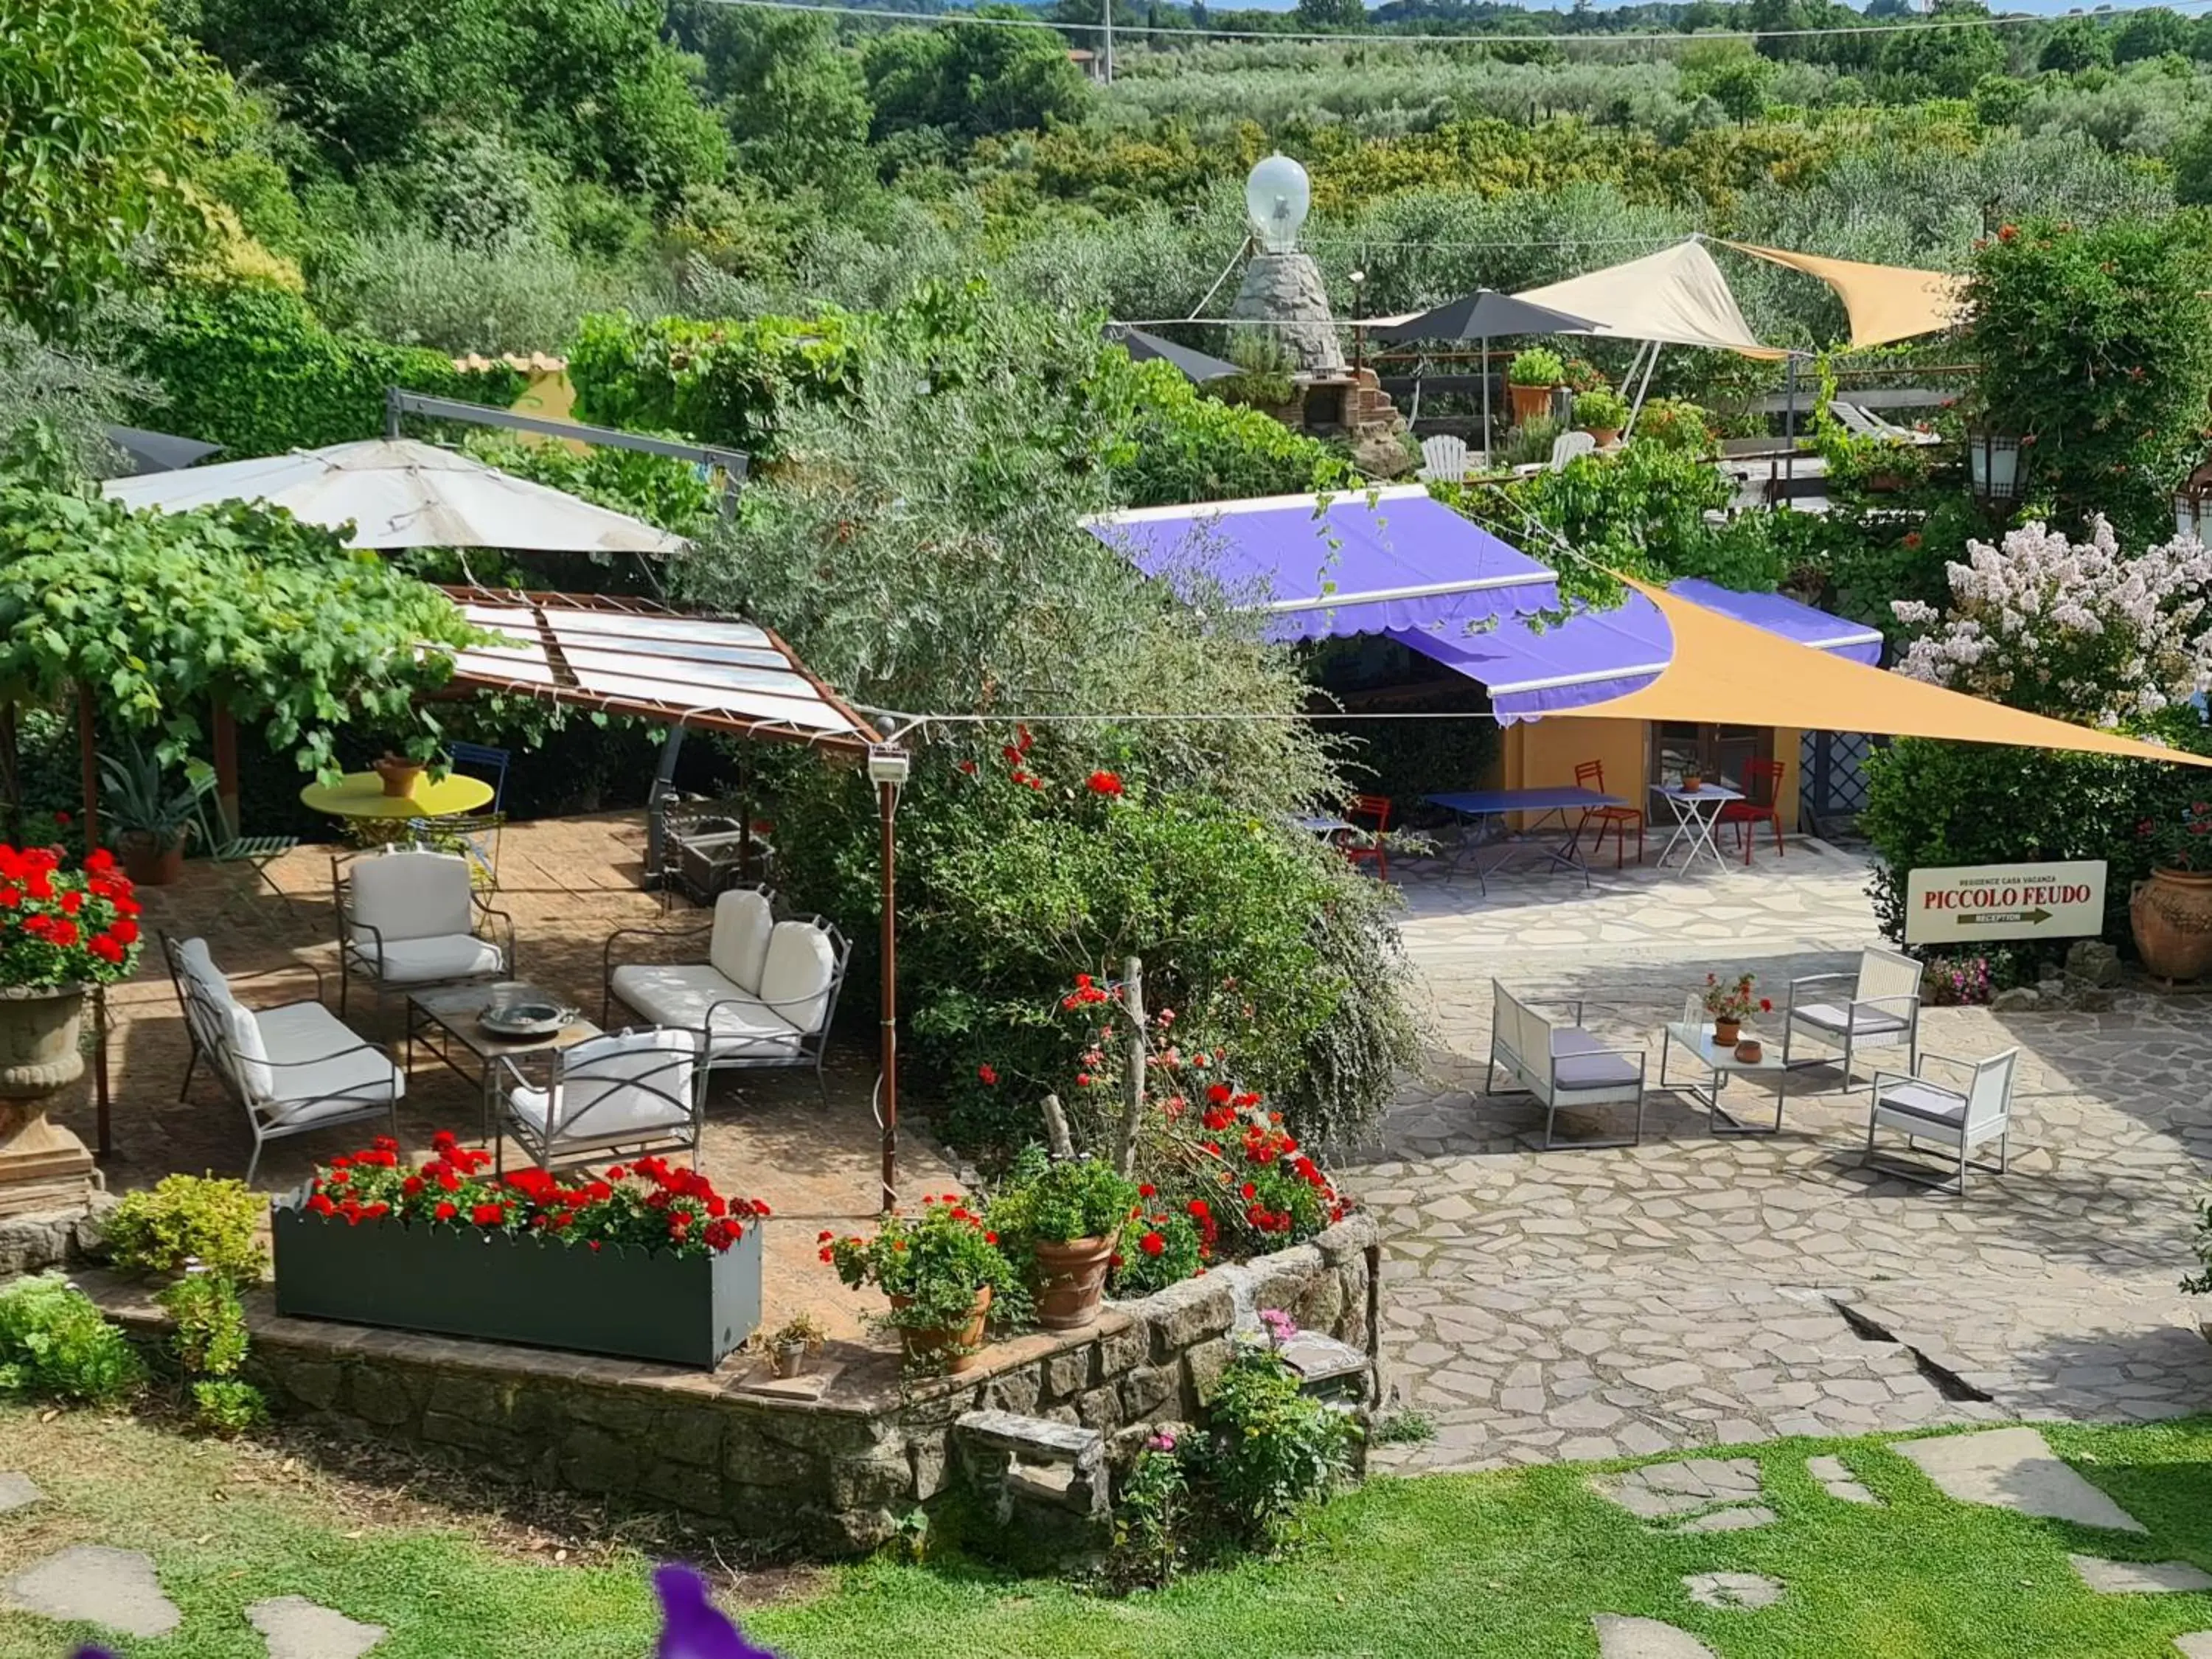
1146 347
157 452
1482 315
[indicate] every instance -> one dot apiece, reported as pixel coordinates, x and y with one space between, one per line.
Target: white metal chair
410 917
1443 459
294 1067
1909 1104
639 1091
1883 1010
765 996
1562 1065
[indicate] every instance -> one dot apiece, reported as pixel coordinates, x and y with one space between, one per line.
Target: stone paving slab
117 1589
17 1491
1837 1481
2016 1469
1733 1589
296 1628
1620 1636
2140 1577
2198 1644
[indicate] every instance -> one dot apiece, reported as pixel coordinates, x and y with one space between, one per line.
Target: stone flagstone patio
1692 1291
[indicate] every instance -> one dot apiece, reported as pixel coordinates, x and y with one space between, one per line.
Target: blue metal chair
476 760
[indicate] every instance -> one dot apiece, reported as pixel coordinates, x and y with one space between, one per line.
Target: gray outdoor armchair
1561 1065
1883 1009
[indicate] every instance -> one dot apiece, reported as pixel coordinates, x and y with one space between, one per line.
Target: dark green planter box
680 1310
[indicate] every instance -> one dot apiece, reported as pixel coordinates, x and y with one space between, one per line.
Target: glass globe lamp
1276 195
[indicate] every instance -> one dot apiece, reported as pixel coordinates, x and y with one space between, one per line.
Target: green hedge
255 371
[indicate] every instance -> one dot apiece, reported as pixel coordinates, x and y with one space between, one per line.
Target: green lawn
1507 1565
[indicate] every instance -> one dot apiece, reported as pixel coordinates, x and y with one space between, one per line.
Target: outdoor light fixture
1276 196
2192 504
1993 466
888 764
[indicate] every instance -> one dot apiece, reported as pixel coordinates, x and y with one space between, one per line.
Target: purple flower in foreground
692 1626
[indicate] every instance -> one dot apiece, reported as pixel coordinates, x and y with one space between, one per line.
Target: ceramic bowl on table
523 1015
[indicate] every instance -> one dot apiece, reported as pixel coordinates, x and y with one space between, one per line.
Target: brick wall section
828 1477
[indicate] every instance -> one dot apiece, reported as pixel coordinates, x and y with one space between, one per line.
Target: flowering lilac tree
2074 629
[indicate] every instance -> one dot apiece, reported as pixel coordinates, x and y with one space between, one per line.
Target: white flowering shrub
2075 629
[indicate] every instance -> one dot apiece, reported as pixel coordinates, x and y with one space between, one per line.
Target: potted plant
645 1262
797 1341
943 1271
1063 1217
152 819
1529 380
400 773
1730 1003
2171 912
60 931
1601 413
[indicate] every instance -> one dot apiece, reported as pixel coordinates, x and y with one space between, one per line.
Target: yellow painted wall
1544 753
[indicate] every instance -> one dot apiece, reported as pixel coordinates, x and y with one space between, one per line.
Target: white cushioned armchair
639 1090
763 997
1882 1010
410 917
294 1067
1561 1065
1921 1107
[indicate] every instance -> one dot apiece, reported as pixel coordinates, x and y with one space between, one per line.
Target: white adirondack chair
1443 459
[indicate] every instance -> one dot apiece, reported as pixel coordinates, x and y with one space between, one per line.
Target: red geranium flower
985 1075
1151 1244
1104 783
488 1215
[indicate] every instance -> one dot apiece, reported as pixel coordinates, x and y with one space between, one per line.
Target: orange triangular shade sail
1884 302
1726 671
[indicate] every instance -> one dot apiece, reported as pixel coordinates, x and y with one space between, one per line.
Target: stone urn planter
39 1050
2172 917
498 1287
1071 1278
949 1349
149 861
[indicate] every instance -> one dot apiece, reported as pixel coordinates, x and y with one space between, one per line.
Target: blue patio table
1475 807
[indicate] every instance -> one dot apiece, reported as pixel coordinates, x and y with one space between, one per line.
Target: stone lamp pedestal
1285 291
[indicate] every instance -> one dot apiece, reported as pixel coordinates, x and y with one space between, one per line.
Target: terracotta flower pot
400 774
149 862
2172 913
1606 436
788 1359
948 1347
1749 1052
38 1050
1726 1032
1071 1278
1530 402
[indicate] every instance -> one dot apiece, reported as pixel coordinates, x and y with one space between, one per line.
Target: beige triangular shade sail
1884 302
1726 671
1676 296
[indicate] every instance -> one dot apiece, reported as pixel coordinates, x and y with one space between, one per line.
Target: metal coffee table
1719 1064
446 1020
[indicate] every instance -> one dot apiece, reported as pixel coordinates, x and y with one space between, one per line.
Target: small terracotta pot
1530 402
1749 1052
1606 436
1691 783
1726 1031
1071 1277
2172 917
952 1348
150 863
400 774
788 1359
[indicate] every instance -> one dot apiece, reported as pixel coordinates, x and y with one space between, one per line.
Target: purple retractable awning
1598 655
1361 564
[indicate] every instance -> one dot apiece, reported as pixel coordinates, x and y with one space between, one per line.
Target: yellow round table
360 795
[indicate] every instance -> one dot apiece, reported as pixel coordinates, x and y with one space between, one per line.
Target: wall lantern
1993 468
2192 504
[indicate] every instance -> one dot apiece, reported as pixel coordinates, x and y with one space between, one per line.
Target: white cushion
617 1086
739 947
1861 1021
420 960
410 895
249 1054
1585 1068
796 978
677 993
333 1080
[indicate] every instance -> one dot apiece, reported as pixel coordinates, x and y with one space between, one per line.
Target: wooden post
1133 1109
99 1069
226 771
887 808
88 746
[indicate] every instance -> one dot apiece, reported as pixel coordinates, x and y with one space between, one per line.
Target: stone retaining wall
832 1475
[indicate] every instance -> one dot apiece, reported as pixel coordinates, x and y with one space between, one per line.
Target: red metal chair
1762 804
1370 815
1590 774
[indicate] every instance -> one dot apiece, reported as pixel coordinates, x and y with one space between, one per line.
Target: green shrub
1140 1268
56 1344
1674 423
1602 410
1047 1201
182 1219
1151 1516
1270 1452
228 1408
1537 366
211 1338
1529 442
1187 446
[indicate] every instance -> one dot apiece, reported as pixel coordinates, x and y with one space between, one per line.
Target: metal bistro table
1695 1038
360 795
1697 811
444 1019
1475 806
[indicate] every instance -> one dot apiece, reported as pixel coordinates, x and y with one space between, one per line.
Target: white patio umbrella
399 493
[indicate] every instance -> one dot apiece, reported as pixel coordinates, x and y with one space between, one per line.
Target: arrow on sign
1988 918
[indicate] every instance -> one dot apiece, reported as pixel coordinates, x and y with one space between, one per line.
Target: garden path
1690 1291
